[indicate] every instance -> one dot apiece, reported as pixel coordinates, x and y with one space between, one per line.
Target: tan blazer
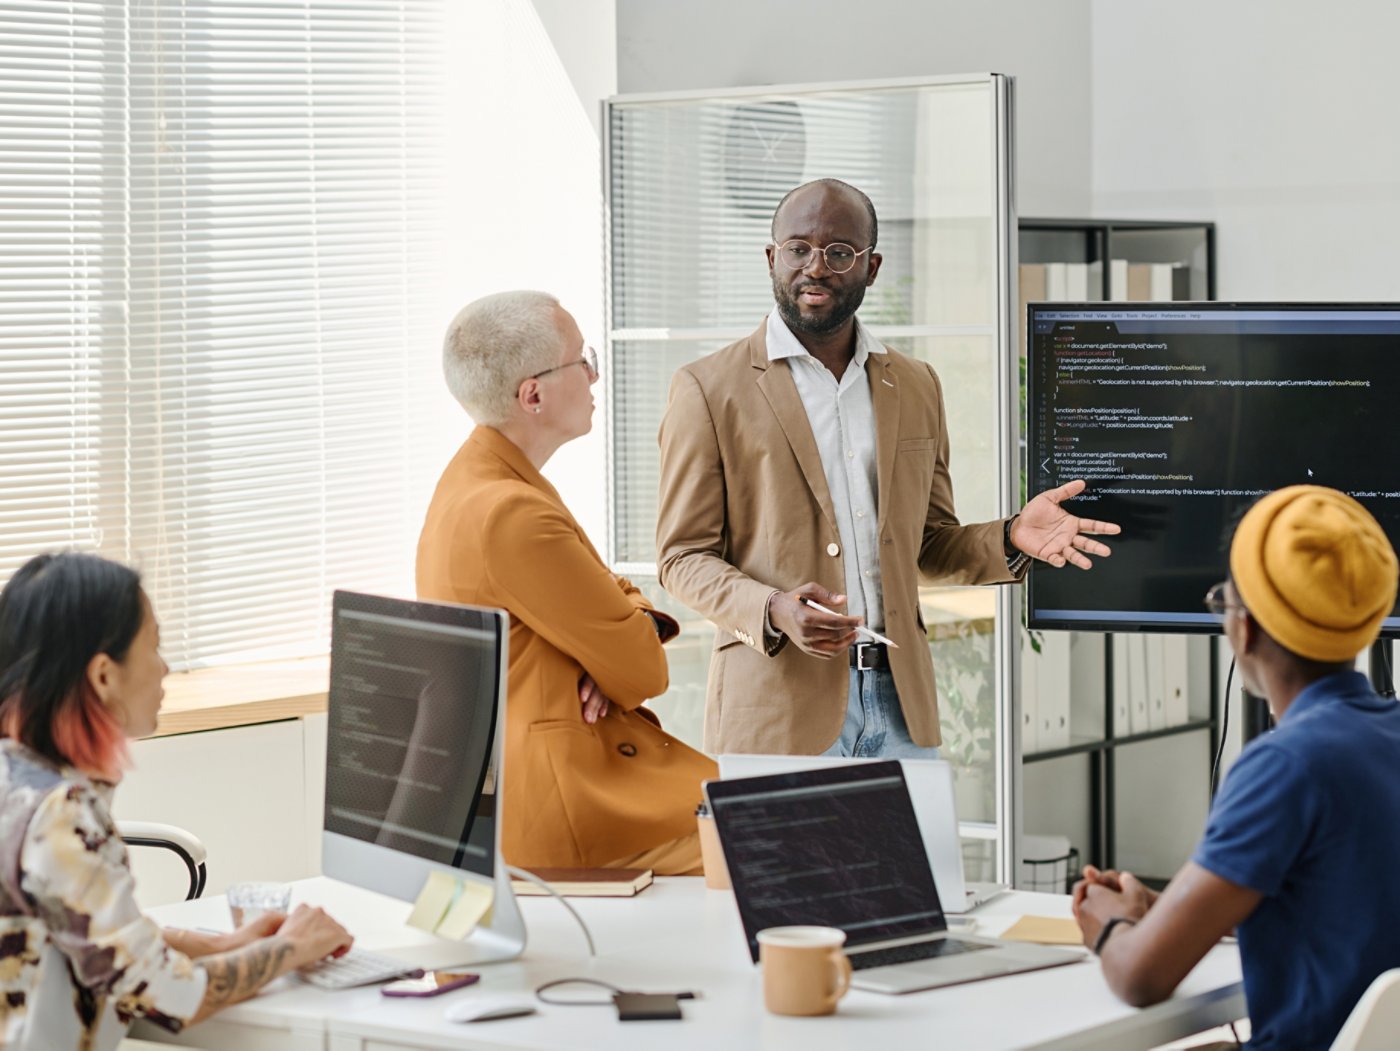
744 509
497 534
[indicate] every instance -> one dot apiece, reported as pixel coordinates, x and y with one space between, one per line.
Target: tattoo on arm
237 975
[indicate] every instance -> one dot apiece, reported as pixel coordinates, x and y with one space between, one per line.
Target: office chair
184 845
1375 1019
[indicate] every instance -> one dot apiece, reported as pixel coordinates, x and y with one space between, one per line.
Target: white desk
676 936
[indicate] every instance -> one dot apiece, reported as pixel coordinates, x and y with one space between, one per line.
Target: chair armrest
173 834
177 840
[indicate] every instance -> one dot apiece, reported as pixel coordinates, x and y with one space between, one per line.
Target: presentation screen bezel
1086 618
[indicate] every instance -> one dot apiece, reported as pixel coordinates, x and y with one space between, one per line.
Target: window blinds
239 304
61 234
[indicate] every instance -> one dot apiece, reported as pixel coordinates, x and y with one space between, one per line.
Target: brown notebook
587 883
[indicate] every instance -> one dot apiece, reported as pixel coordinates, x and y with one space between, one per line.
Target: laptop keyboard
861 961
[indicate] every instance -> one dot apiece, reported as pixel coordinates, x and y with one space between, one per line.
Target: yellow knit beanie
1315 570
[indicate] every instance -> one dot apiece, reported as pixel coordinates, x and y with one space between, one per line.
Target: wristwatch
1015 557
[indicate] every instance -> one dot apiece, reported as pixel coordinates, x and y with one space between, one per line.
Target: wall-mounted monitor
1179 416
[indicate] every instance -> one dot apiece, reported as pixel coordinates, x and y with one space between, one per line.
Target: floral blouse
78 959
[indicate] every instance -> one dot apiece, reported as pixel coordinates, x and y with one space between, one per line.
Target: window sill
241 695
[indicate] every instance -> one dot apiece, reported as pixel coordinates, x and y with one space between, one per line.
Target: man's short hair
493 345
838 184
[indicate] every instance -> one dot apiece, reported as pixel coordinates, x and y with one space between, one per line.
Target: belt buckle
872 648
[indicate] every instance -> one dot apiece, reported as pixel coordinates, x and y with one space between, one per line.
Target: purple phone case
465 980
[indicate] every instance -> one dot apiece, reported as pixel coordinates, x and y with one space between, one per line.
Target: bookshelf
1118 732
1097 243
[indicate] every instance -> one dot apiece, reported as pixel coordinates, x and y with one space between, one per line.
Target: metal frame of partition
1006 758
1008 721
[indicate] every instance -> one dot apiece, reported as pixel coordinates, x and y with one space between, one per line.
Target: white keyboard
357 967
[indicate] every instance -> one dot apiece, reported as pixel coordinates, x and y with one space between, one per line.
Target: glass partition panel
692 184
640 372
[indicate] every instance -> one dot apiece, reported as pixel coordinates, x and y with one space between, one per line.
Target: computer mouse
485 1007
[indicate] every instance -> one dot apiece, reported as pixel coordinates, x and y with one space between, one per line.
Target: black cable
539 993
530 877
1224 727
1384 645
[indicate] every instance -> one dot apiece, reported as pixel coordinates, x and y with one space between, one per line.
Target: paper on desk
1044 930
433 902
473 904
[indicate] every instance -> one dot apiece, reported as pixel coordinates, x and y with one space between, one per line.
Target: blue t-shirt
1309 817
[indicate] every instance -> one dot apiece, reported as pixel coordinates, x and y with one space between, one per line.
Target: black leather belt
869 655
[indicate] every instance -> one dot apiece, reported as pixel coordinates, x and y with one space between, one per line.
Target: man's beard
844 304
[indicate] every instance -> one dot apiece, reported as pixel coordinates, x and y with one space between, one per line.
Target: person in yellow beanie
1301 853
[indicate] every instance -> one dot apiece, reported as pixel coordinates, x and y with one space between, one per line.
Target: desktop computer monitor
416 712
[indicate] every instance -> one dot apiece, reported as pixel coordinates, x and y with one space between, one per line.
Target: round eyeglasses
1217 600
797 255
589 361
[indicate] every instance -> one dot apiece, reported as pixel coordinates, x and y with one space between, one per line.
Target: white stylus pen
861 629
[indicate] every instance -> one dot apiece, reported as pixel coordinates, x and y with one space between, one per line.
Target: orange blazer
498 534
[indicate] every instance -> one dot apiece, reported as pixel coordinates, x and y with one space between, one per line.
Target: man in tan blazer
590 777
810 462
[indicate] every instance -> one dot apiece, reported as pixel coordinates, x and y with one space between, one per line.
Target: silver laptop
930 784
841 848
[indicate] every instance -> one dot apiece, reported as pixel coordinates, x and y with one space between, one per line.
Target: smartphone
430 984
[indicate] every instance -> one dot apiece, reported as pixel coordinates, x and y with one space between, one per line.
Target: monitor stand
371 890
499 938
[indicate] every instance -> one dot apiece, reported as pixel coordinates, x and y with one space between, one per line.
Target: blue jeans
875 726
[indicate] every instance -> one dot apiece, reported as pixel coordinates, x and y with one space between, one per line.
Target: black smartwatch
1016 559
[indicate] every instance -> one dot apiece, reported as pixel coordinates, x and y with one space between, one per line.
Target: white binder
1053 687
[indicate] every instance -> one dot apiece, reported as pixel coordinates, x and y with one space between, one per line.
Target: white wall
1275 120
584 36
666 45
526 83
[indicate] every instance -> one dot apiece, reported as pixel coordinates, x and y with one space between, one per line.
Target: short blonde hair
493 345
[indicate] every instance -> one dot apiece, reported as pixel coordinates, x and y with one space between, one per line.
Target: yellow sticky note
473 902
1044 930
433 902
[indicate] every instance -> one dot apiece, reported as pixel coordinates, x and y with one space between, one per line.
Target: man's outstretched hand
1046 531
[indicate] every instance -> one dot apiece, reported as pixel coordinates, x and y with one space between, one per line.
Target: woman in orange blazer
590 778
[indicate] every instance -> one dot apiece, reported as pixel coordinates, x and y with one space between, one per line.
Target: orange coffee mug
711 851
804 970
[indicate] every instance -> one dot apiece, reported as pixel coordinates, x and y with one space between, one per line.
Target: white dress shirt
842 418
